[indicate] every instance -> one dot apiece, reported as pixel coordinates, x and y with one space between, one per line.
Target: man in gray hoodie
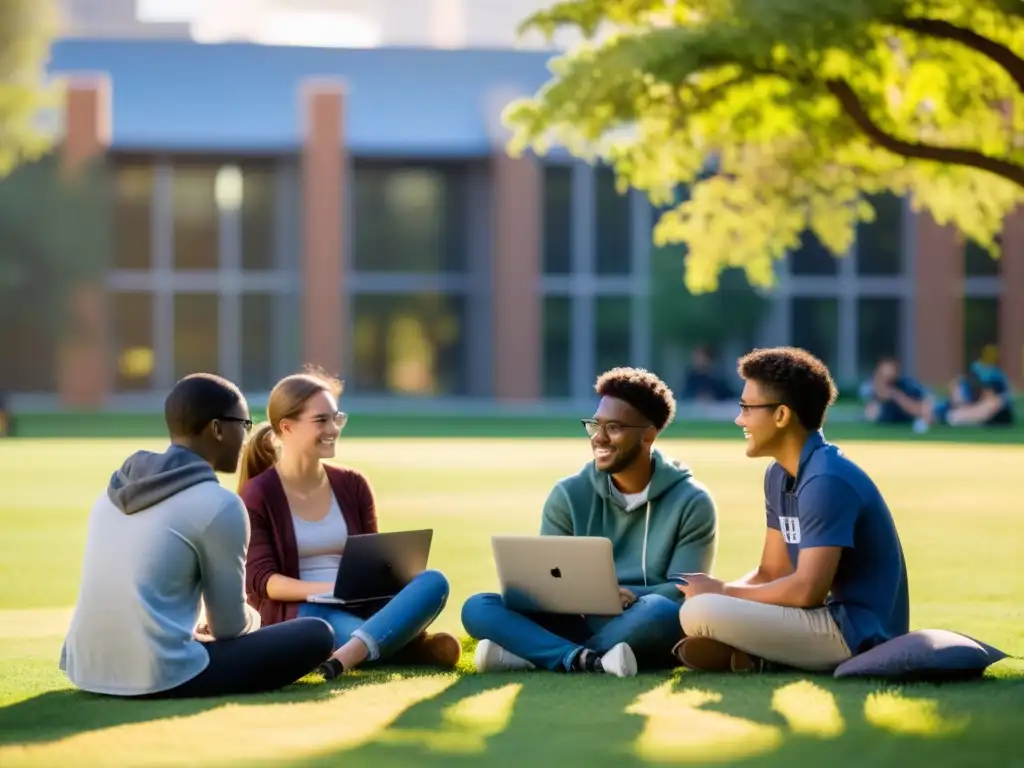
165 537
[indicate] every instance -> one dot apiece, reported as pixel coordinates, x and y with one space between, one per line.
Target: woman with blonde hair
301 511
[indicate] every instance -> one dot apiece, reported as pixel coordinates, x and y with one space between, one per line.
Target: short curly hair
642 390
796 377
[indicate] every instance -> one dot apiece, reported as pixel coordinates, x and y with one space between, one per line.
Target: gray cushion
934 655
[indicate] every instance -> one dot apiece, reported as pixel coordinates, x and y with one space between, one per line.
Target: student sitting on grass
981 397
832 580
893 397
163 537
660 520
302 510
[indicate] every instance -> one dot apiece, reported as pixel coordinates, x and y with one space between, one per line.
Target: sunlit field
960 517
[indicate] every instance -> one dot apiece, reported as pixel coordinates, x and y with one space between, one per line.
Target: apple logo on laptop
556 572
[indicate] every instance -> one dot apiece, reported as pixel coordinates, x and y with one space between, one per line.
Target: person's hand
628 598
700 584
202 633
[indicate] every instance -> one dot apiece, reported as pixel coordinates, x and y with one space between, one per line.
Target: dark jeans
264 660
551 641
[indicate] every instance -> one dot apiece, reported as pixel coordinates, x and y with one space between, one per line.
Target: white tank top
321 544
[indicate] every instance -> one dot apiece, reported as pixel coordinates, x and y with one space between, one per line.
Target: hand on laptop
628 598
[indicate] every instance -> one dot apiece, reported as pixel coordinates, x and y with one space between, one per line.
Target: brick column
324 236
1011 304
518 345
938 306
84 372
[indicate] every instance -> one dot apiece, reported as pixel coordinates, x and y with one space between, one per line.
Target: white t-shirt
321 544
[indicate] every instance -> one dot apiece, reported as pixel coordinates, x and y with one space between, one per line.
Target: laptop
557 574
377 566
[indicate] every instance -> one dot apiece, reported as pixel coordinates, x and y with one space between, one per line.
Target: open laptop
557 574
376 566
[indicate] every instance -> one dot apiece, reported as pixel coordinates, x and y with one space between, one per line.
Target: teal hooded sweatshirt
675 530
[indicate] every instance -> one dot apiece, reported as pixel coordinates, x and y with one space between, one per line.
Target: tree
26 28
802 110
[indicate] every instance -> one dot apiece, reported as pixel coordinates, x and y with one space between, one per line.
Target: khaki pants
796 637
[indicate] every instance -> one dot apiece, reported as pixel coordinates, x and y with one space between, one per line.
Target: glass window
196 216
409 218
613 319
557 321
981 326
133 209
815 327
557 219
613 221
879 331
880 242
134 345
812 258
259 230
412 344
978 262
257 342
196 333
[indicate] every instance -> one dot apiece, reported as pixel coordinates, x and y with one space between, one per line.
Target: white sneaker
619 661
491 657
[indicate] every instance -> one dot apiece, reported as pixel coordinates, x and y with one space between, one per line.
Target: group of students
168 542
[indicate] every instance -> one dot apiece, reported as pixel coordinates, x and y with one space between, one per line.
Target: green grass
957 507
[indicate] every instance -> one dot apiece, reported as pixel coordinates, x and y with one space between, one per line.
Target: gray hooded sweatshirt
165 537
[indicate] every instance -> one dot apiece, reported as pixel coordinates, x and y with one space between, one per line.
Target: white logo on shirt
790 527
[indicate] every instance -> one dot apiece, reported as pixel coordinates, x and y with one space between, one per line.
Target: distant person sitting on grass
893 397
660 521
163 537
302 511
832 582
981 397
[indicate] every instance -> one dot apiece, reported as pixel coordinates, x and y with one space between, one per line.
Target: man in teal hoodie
660 520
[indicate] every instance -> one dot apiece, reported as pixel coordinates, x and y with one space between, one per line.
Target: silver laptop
557 574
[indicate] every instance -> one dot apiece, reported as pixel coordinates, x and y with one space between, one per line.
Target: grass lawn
957 506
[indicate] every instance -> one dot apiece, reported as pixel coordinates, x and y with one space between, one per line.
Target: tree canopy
801 111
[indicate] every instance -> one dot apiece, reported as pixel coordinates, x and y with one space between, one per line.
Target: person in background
893 397
981 397
703 384
660 520
302 510
6 426
832 581
163 537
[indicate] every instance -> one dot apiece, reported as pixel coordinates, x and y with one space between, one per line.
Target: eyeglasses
246 423
339 418
612 429
748 407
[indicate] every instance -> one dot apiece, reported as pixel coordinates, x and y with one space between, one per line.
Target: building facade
356 209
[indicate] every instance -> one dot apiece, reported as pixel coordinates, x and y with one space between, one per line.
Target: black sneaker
331 669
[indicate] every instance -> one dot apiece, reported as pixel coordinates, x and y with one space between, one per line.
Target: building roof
184 96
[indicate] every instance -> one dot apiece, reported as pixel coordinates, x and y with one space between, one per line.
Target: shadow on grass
59 714
846 722
527 719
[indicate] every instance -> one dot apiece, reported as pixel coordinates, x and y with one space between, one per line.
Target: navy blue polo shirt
833 503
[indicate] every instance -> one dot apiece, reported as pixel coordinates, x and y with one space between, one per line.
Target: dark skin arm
775 582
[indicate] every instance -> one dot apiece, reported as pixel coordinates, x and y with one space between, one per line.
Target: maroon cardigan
272 547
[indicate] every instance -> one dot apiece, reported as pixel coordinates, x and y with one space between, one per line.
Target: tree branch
944 30
853 107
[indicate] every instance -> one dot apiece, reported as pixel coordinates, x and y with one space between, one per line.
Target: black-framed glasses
246 423
612 429
748 407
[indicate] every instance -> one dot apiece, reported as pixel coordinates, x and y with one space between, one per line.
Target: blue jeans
551 641
386 631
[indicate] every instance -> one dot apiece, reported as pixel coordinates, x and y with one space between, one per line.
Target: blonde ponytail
259 455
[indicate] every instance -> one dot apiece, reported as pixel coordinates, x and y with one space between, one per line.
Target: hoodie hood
667 474
147 478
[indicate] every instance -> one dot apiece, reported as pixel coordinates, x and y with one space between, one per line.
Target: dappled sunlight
891 711
286 729
809 709
678 730
467 724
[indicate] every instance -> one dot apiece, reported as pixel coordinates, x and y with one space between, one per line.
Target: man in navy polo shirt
832 582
